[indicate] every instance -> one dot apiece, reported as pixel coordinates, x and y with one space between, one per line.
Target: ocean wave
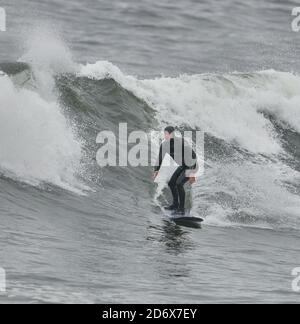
230 107
37 143
247 112
249 180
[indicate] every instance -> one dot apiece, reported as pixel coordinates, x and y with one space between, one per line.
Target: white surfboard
168 167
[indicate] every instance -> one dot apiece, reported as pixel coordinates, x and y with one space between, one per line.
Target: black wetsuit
179 178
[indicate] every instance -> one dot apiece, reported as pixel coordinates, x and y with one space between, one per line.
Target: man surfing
186 158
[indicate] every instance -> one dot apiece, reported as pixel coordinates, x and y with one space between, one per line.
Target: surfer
186 158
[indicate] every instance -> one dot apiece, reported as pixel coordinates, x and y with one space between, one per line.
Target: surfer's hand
192 179
155 174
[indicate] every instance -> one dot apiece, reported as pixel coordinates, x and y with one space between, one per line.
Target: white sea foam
37 142
48 55
249 193
229 107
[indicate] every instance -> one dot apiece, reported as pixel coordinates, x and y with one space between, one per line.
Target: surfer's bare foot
179 212
172 207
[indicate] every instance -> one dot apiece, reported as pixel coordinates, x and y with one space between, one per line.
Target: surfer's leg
175 195
181 181
173 186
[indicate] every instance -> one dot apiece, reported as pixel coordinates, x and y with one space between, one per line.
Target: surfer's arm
190 158
193 170
195 167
